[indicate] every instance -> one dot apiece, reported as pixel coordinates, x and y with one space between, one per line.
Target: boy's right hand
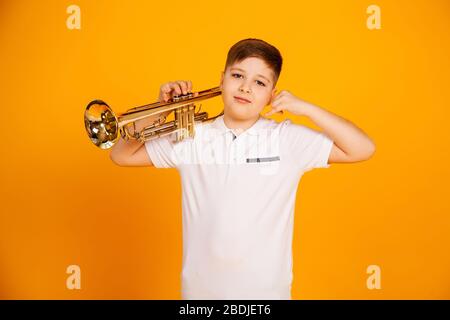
174 88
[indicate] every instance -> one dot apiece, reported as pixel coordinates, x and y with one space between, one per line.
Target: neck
239 126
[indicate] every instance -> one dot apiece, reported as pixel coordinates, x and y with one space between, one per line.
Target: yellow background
64 202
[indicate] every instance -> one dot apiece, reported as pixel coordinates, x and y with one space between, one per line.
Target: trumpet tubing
103 126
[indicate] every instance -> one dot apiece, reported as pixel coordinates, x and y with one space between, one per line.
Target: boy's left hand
286 101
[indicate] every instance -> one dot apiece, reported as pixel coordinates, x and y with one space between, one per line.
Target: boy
240 175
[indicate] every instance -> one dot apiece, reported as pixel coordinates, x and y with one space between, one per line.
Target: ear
221 79
274 90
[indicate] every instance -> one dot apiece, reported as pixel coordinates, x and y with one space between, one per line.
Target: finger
164 92
273 110
277 97
282 95
189 85
171 88
176 88
278 101
272 100
268 114
278 93
165 88
183 86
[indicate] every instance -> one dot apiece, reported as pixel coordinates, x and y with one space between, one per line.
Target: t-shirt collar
219 124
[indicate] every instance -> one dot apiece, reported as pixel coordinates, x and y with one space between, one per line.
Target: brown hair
256 48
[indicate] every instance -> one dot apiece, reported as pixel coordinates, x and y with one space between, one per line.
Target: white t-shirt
238 201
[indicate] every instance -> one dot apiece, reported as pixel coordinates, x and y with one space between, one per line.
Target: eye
237 75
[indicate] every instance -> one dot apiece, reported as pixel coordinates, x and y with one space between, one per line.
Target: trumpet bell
101 124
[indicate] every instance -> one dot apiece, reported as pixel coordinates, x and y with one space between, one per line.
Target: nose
244 88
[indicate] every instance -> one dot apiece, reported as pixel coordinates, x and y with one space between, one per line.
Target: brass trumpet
103 126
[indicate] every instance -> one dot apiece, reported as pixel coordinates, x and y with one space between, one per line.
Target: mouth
241 100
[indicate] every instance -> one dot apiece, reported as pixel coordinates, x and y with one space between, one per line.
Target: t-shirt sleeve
305 147
162 152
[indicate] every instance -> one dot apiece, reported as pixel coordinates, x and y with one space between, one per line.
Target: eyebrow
260 75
